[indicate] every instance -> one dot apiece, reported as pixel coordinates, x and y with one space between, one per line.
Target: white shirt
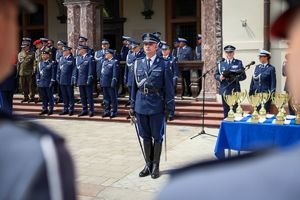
152 59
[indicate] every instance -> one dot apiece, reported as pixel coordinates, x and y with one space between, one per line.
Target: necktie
148 64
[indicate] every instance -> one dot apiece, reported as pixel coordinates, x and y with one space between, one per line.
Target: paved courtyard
108 158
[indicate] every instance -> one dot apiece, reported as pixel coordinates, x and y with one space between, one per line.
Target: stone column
73 24
211 16
85 18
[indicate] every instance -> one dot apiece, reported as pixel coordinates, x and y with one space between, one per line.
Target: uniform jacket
263 79
109 73
198 52
25 63
85 70
45 73
124 52
11 82
37 59
227 85
174 67
184 53
59 54
129 74
158 78
66 71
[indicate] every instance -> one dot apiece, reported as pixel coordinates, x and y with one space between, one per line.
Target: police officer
123 55
158 35
175 47
25 71
45 78
100 54
136 53
228 84
108 76
58 54
66 77
85 75
83 41
26 146
198 56
7 89
45 46
264 77
152 97
174 68
184 53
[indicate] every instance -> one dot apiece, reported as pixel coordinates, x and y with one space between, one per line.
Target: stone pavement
108 157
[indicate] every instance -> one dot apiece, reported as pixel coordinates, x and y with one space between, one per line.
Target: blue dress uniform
229 84
174 68
152 95
129 74
45 78
183 54
85 76
66 77
263 79
108 76
7 89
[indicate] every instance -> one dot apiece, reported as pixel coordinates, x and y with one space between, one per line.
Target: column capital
80 2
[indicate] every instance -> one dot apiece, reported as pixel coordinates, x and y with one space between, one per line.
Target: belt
145 90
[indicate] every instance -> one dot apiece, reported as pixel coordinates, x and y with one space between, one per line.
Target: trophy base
230 119
279 122
297 121
254 120
238 115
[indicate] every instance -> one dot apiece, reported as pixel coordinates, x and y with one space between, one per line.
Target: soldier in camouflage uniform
25 71
38 58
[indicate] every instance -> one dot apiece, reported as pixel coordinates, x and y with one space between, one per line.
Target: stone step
177 121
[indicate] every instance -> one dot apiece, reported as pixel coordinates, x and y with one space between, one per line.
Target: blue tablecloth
246 136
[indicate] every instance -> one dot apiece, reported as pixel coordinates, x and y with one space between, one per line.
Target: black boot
156 160
148 167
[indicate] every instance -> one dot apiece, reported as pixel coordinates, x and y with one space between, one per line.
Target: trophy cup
296 107
240 98
255 100
265 96
279 99
230 100
286 99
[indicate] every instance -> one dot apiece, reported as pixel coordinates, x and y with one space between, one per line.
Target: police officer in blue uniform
151 98
184 53
59 53
135 53
198 56
174 68
85 76
158 35
83 42
123 55
108 76
229 65
66 77
7 89
264 77
45 78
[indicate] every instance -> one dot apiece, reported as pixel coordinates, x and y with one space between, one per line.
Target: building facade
221 22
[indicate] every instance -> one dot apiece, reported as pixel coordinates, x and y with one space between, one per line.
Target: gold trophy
240 98
296 107
279 99
255 100
286 99
265 96
230 100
